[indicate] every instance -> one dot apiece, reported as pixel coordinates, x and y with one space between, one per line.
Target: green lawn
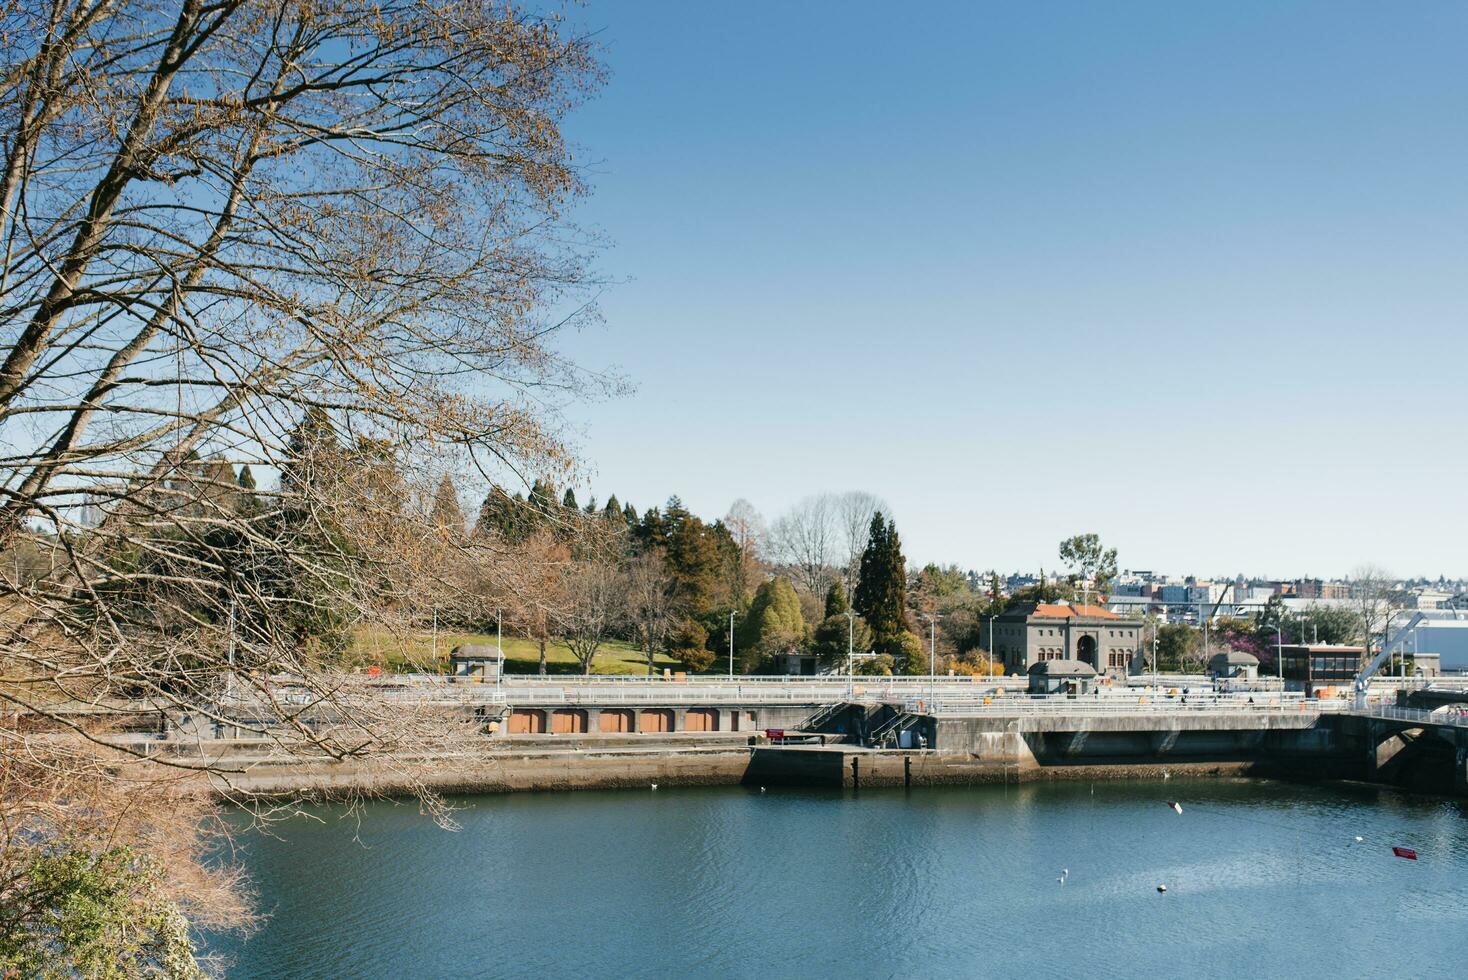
414 652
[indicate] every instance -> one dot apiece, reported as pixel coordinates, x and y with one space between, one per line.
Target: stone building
1038 632
1062 677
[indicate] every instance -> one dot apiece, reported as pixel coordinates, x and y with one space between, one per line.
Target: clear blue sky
1193 276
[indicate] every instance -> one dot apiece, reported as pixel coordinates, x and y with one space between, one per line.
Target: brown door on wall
527 721
615 720
701 720
569 721
656 720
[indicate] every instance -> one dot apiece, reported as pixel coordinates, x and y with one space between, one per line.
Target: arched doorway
1086 650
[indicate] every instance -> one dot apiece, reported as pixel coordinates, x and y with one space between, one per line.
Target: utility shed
1235 664
474 661
1062 677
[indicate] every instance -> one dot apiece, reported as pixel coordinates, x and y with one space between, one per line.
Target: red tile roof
1048 610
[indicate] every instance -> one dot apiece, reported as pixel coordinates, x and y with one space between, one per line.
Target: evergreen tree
629 513
590 507
568 501
613 506
542 500
772 625
447 515
249 502
836 604
831 638
881 588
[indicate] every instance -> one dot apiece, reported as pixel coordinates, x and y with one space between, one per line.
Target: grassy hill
414 652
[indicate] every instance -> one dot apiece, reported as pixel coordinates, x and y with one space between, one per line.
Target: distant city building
1032 633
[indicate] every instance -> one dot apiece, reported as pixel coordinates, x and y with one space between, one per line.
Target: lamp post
850 654
499 645
991 641
1279 654
731 644
932 619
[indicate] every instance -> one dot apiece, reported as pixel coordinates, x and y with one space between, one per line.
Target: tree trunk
542 656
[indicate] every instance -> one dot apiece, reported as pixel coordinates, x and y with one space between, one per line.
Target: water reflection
1263 879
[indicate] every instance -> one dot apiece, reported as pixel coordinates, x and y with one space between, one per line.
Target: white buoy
1162 888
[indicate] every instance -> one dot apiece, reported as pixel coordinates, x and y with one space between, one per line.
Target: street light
1279 654
850 654
731 644
932 619
991 641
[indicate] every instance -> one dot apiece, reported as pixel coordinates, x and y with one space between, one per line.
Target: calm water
1263 879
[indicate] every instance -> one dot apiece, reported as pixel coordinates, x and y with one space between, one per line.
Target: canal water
1263 879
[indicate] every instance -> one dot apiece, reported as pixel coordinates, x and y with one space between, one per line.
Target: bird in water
1175 807
761 789
654 785
1360 839
1162 888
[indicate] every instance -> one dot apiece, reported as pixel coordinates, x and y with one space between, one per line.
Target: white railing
1443 716
1115 706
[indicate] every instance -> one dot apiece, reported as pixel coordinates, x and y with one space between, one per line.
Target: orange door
568 721
615 720
527 721
701 720
656 720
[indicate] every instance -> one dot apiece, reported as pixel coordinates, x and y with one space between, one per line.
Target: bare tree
1371 595
653 604
805 538
591 594
854 512
320 240
747 527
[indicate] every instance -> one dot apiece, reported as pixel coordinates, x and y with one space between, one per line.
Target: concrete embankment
535 768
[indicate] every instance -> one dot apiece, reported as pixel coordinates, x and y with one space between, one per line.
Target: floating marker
1405 852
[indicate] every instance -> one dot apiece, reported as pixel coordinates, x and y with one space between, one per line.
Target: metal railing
1451 716
1116 706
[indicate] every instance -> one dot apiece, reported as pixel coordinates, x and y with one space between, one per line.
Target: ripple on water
1263 880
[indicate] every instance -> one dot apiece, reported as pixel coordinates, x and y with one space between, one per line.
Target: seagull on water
654 785
1175 807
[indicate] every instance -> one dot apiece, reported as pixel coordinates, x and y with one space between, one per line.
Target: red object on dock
1405 852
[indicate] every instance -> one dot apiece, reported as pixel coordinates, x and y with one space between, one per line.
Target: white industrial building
1440 631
